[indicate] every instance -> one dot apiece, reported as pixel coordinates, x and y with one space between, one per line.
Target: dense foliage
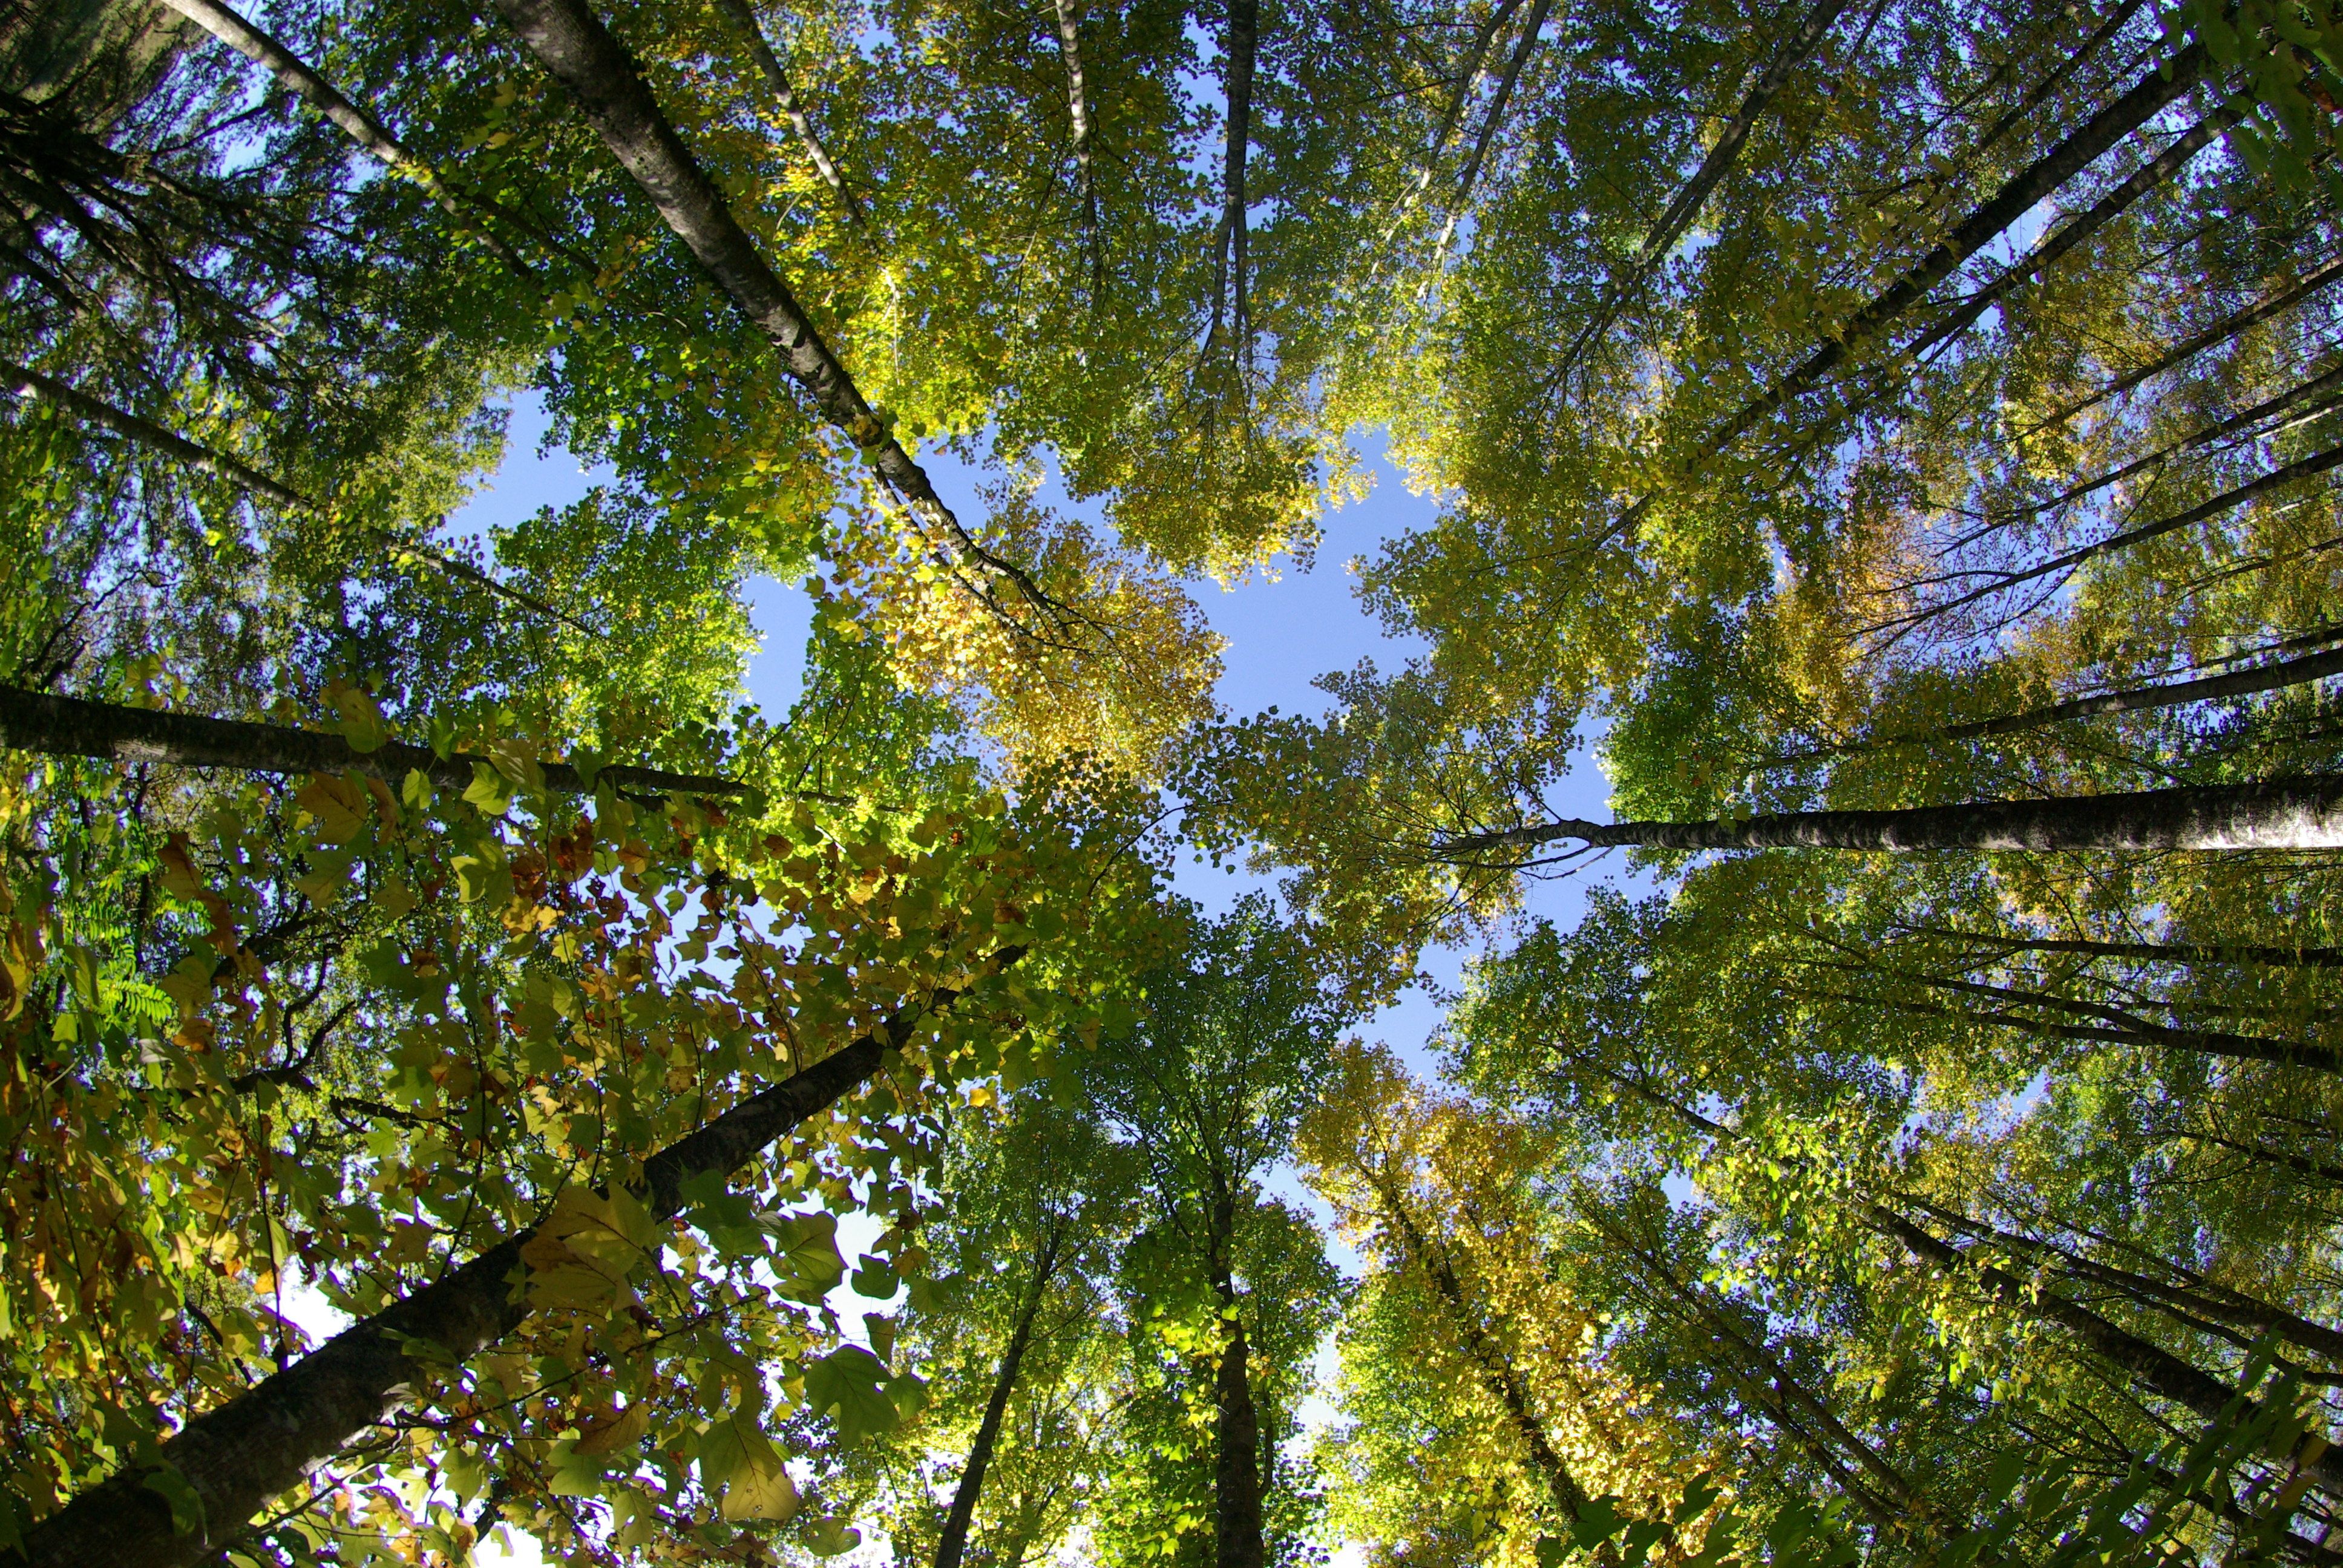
464 1069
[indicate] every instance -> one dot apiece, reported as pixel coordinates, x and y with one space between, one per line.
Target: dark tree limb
261 1443
296 76
580 53
73 726
146 433
2317 463
744 22
951 1542
2299 813
2132 699
2151 1365
1794 52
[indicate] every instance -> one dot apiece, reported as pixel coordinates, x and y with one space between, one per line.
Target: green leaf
187 1508
489 792
850 1384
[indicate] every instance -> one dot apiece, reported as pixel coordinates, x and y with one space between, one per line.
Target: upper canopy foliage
1902 425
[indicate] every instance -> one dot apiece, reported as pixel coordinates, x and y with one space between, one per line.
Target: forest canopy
473 1082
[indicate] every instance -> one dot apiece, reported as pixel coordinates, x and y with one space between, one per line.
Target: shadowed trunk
2151 1365
1237 1526
952 1543
297 78
264 1442
70 727
2300 813
1498 1374
744 22
577 50
2134 699
1794 52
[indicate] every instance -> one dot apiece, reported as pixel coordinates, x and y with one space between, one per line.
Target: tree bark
2134 699
2299 813
296 76
581 54
1794 52
262 1442
2104 211
2226 1306
1240 42
147 432
1498 1374
2131 1032
1078 116
2301 469
2148 97
744 22
2189 347
70 726
1237 1538
2151 1365
952 1543
2153 953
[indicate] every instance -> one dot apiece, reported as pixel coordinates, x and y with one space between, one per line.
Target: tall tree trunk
203 459
744 22
2299 813
2151 1365
952 1543
2132 699
2308 467
1078 116
1793 51
2148 97
70 727
2224 1305
297 78
573 47
1237 1524
262 1442
1498 1374
1239 44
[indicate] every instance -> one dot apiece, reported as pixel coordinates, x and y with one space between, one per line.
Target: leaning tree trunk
264 1442
70 727
2151 1365
952 1543
2301 813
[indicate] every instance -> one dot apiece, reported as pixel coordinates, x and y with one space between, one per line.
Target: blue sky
1281 635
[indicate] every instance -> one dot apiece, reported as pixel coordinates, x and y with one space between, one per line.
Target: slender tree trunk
1078 116
2299 813
1498 1374
581 54
2294 1162
70 727
2106 210
1495 118
952 1543
296 76
1237 1524
1794 52
203 459
2301 469
2151 1365
2132 699
1786 1387
1239 44
2132 1031
2154 952
262 1442
744 22
2228 1306
2150 96
2189 347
